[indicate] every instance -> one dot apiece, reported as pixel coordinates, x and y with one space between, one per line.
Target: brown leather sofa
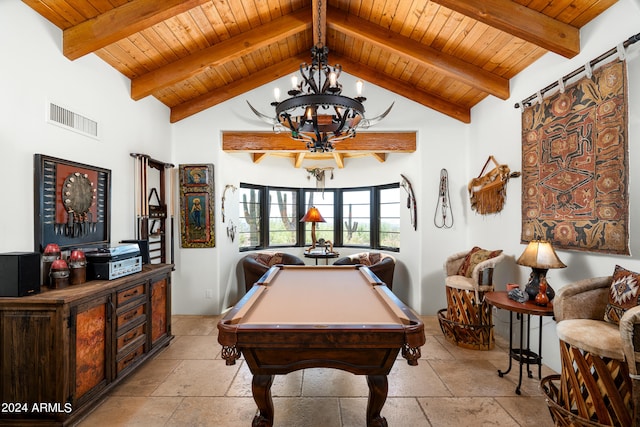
380 264
256 264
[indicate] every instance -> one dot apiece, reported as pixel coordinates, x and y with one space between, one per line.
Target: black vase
533 287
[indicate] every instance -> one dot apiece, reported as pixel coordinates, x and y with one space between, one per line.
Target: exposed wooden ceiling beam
381 157
417 52
262 144
219 95
522 22
299 158
120 23
258 157
223 52
378 142
284 68
194 106
406 90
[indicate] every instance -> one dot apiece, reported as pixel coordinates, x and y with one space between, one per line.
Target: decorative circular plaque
78 193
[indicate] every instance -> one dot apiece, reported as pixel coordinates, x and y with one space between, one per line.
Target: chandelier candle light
316 112
540 256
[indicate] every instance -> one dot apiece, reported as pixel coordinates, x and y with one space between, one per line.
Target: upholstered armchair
256 264
381 264
481 277
600 359
467 320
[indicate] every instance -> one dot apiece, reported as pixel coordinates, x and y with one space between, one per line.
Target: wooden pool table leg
261 389
378 388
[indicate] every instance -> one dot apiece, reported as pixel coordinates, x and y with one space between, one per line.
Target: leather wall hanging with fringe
488 191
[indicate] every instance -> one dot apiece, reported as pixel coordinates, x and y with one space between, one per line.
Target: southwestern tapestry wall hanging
575 165
196 206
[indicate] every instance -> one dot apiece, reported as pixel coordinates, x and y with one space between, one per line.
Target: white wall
496 129
33 72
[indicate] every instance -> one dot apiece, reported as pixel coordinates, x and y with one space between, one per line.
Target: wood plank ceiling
447 55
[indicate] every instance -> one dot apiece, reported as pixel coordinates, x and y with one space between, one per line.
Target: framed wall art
72 203
197 227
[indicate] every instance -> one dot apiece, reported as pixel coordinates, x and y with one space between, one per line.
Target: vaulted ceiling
447 55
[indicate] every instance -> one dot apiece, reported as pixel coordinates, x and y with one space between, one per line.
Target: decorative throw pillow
475 257
623 294
369 258
269 259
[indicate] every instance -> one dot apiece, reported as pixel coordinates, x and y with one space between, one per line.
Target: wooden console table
522 355
64 349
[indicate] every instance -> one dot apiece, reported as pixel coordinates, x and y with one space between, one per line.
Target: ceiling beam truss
375 144
520 21
119 23
447 55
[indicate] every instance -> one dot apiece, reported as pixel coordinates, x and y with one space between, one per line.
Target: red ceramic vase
542 299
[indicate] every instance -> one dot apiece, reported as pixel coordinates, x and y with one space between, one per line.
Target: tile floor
188 384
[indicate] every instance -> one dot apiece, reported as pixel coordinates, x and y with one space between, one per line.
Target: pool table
341 317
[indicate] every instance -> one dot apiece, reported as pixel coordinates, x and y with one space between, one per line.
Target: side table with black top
321 255
523 354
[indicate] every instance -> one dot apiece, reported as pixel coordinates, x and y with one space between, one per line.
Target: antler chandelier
316 112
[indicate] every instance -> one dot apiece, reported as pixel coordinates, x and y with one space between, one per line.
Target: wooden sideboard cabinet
63 349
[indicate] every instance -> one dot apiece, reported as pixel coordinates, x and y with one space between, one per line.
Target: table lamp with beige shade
540 256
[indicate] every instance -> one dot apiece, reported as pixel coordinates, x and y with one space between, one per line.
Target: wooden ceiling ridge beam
221 53
413 50
521 22
456 111
120 23
236 88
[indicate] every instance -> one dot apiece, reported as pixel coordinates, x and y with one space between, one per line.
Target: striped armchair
467 320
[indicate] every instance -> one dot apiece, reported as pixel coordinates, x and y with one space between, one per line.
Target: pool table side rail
414 330
231 333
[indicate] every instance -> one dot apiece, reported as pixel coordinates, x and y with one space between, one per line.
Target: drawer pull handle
130 315
130 294
130 337
128 360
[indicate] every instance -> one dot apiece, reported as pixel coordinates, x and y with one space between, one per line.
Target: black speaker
19 274
144 249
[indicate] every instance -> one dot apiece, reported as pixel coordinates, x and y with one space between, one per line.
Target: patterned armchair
380 264
467 320
256 264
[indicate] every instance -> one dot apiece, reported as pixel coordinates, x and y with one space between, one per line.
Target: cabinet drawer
129 359
129 294
130 337
130 316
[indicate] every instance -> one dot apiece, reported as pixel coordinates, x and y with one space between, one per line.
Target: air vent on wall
67 119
